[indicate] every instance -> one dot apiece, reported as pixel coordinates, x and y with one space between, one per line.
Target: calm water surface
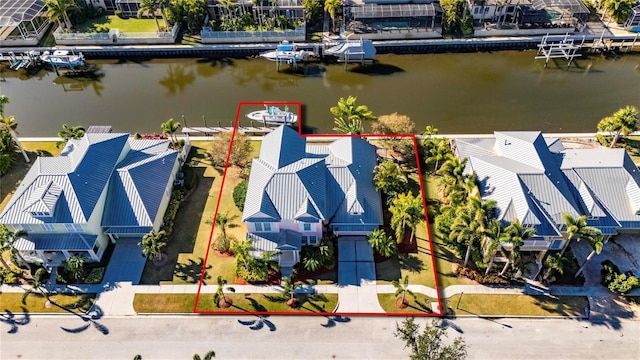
457 93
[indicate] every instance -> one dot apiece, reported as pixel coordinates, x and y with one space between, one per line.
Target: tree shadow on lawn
192 271
410 262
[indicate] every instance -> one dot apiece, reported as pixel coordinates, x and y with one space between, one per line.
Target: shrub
118 13
224 243
609 272
621 284
240 194
9 277
240 151
245 171
604 140
95 276
321 256
490 279
172 209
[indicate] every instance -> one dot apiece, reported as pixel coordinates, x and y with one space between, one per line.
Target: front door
287 258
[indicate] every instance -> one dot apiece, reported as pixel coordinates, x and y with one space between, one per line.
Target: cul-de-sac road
294 337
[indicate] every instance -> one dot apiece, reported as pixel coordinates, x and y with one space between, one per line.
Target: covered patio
22 22
385 17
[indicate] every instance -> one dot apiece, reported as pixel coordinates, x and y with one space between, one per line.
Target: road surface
294 337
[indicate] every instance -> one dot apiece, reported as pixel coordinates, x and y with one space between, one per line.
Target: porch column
112 238
66 254
93 255
43 257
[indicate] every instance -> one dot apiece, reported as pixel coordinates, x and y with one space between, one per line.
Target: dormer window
42 201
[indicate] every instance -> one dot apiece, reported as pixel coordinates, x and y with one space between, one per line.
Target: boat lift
21 61
565 48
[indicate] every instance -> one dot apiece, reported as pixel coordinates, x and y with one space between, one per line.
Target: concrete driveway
624 251
126 262
356 276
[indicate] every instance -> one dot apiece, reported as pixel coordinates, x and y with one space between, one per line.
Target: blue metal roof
56 242
128 230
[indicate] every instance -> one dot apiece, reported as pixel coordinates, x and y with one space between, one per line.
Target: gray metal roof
535 185
13 12
284 240
56 242
378 11
318 183
575 6
81 171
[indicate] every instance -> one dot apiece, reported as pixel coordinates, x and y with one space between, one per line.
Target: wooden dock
209 131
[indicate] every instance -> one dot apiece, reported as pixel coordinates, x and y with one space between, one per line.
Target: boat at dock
274 115
63 58
286 52
352 50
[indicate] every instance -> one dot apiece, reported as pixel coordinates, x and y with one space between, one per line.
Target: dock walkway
208 131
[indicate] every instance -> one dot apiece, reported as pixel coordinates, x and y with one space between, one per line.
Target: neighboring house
103 186
298 190
292 10
535 180
22 22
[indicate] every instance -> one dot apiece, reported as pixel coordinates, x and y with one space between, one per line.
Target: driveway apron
356 276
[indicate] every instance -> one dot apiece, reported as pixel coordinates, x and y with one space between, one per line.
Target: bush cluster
172 209
490 279
240 194
9 277
617 282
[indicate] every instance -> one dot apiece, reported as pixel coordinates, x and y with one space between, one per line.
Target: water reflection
177 78
81 82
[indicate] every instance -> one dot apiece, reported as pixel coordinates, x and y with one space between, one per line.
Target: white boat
63 58
353 50
273 115
286 52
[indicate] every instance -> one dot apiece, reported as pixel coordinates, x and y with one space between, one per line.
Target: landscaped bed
107 22
36 303
183 303
516 305
417 304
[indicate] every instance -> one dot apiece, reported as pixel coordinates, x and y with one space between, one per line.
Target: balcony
540 244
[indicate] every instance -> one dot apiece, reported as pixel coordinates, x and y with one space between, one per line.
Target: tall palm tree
596 241
402 288
465 230
163 5
70 132
57 11
406 211
11 125
331 7
389 178
75 267
170 128
515 235
577 228
437 153
479 212
7 242
223 221
494 236
453 167
152 244
347 114
37 282
151 7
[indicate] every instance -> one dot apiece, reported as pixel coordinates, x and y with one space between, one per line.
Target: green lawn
419 303
10 181
183 303
36 303
523 305
107 22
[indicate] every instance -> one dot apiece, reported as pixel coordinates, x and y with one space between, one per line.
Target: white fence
115 37
208 36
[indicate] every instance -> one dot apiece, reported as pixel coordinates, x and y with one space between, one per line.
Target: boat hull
277 117
353 49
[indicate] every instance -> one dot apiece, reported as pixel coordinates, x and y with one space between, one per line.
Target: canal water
457 93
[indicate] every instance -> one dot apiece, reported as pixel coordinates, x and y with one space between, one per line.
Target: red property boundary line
224 176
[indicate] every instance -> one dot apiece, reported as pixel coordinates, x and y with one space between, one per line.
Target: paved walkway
357 291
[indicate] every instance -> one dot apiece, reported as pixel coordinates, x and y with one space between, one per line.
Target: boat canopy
285 47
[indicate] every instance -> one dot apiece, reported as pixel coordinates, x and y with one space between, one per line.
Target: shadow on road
14 322
90 318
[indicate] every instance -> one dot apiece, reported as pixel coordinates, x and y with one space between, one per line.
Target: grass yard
633 147
10 181
107 22
523 305
183 303
419 303
36 303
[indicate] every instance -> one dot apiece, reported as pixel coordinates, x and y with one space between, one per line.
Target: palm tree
7 241
453 167
57 11
4 100
619 9
11 125
208 356
241 250
169 128
151 7
348 116
476 214
515 235
219 296
257 5
438 153
75 267
389 178
70 132
620 124
223 220
402 289
553 262
152 244
37 283
494 236
577 228
331 7
382 243
596 241
406 210
163 5
289 289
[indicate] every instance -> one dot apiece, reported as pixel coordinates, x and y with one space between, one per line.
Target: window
306 227
310 240
96 247
486 9
556 244
48 227
266 227
476 10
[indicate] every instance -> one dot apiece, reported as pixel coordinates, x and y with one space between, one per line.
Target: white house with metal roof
535 179
296 190
103 186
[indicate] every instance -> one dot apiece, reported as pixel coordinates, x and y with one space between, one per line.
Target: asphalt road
278 337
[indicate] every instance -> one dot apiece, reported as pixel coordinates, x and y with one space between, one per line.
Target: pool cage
633 22
384 17
22 19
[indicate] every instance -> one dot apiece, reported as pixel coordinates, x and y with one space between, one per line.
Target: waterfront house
298 191
105 186
22 22
393 18
535 180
